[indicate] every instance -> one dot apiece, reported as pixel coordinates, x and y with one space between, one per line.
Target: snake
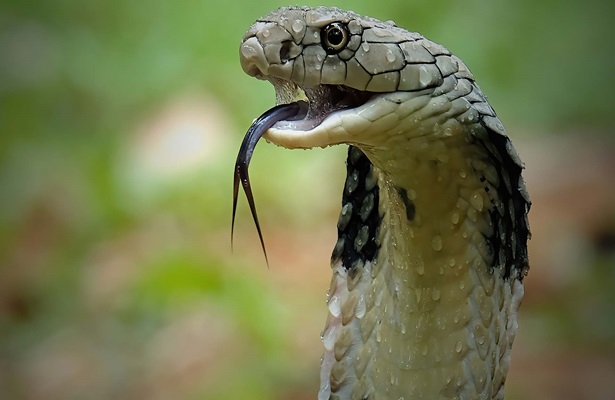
431 254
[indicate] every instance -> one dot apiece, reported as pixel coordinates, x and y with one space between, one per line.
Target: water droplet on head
266 33
297 25
435 294
365 46
390 55
462 173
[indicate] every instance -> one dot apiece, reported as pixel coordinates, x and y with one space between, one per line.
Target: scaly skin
428 267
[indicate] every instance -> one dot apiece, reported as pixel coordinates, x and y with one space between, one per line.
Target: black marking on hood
511 229
360 218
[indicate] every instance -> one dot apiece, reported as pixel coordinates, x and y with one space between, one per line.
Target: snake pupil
334 37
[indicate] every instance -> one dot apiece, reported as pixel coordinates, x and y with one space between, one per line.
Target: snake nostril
285 51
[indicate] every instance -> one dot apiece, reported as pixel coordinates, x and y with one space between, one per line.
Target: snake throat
296 110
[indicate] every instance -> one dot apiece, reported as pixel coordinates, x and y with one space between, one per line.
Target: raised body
431 251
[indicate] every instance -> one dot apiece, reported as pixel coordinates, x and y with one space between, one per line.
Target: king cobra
431 252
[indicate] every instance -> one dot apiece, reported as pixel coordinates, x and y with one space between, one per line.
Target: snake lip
323 100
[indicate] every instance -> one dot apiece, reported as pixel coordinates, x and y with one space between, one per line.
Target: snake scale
431 253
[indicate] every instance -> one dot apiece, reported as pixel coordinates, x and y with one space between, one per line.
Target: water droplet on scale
455 218
436 243
420 269
477 201
266 33
365 47
458 347
247 51
297 25
390 56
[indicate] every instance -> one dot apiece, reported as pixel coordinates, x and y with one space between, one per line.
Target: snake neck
422 302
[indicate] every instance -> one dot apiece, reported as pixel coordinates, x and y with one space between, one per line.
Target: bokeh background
119 127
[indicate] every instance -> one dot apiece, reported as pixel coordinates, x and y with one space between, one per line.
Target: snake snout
252 58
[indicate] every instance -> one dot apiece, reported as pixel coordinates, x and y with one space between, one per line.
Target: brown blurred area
119 127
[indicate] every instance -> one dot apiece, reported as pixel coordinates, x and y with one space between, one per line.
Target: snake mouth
322 101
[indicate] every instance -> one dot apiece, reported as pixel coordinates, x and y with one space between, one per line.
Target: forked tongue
283 112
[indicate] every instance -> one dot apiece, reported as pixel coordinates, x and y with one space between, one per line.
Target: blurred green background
119 127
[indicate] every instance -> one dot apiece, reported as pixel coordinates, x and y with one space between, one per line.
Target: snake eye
334 37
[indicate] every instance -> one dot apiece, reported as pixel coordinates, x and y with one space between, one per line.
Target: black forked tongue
282 112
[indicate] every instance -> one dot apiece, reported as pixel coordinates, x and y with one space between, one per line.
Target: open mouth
298 109
322 101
